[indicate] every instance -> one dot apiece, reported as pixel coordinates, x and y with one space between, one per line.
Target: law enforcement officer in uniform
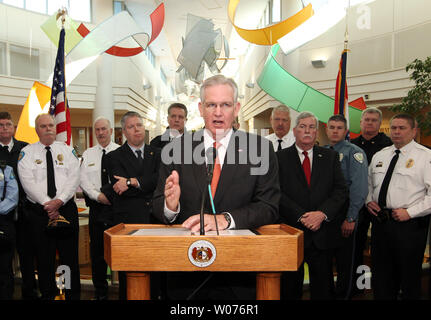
355 171
10 149
280 122
399 198
371 141
97 190
8 202
49 173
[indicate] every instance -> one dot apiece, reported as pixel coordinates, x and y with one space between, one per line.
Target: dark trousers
6 257
344 256
47 244
97 226
397 251
364 221
320 274
26 253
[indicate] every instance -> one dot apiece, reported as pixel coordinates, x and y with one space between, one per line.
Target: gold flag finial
62 13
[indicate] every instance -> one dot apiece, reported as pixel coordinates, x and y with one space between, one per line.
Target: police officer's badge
1 176
341 157
38 161
60 157
379 165
359 157
410 163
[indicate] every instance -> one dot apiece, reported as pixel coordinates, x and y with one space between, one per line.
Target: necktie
306 166
216 172
140 159
385 185
279 144
104 172
52 190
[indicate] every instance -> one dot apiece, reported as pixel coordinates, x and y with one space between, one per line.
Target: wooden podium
274 249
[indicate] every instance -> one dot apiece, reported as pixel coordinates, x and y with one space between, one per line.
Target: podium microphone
210 155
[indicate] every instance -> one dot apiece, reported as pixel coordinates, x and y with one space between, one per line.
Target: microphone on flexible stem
211 158
210 155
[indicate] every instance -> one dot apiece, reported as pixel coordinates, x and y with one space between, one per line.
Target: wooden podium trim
276 248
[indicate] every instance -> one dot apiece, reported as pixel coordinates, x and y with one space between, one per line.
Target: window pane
36 5
24 62
16 3
276 11
118 6
54 5
80 10
2 58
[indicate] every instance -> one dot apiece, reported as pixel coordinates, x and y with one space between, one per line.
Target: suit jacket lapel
317 165
131 158
228 170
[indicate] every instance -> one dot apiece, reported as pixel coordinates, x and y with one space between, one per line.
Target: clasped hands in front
52 207
172 199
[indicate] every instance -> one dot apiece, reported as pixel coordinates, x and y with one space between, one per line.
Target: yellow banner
269 35
37 103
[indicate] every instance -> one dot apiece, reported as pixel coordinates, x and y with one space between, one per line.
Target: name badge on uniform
410 163
91 164
379 164
341 157
38 161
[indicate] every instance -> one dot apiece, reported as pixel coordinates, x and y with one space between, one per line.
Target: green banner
287 89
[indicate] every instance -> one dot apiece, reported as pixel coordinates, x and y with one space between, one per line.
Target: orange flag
37 102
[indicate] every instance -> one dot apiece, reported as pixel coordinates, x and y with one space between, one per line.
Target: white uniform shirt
287 140
9 145
33 173
410 186
91 167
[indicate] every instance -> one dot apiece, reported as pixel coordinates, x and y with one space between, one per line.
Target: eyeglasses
6 125
222 105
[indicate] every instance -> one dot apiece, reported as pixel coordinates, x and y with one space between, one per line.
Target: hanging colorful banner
287 89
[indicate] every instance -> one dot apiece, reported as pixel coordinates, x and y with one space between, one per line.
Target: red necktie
306 167
216 172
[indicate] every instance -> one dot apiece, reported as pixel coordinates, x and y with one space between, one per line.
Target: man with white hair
96 187
280 121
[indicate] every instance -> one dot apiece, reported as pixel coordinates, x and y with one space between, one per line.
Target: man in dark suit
133 169
177 117
245 192
10 149
313 192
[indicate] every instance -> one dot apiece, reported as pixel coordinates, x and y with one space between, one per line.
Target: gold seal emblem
60 157
410 163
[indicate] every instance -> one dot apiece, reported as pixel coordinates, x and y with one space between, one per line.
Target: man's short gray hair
304 115
372 110
129 114
104 119
217 80
280 108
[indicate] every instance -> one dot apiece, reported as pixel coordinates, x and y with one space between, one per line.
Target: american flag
341 105
59 107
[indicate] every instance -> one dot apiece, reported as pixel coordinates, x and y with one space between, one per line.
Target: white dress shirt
286 142
32 171
9 145
91 167
410 185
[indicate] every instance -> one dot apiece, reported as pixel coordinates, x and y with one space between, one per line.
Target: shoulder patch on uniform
359 157
21 155
74 153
